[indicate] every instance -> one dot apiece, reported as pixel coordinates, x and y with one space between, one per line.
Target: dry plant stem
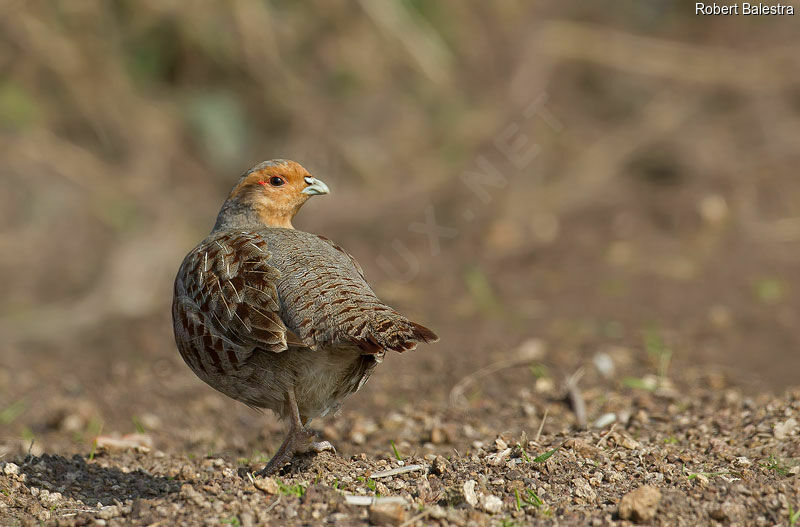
274 503
667 59
576 398
457 393
605 436
414 519
397 471
541 425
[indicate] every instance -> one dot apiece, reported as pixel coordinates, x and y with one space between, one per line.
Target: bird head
269 194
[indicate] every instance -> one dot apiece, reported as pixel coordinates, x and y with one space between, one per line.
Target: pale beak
315 187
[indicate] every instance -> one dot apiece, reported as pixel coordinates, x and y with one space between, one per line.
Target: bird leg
282 456
299 440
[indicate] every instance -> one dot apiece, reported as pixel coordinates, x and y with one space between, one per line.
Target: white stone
785 429
469 492
492 504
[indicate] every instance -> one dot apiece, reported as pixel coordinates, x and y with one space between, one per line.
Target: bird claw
322 446
314 446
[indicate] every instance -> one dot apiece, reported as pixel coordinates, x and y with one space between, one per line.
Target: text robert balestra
744 8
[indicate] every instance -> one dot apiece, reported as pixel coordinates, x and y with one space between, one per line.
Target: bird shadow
91 483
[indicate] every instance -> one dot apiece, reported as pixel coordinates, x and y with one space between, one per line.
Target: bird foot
299 441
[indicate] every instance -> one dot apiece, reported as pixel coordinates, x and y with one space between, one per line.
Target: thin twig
541 425
413 519
603 438
274 503
661 58
396 471
422 41
365 501
575 397
457 393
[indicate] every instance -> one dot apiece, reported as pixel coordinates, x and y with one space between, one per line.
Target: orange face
276 190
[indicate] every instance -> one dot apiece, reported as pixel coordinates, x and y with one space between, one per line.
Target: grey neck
235 216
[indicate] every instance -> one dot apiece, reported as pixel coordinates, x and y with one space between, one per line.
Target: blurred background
605 178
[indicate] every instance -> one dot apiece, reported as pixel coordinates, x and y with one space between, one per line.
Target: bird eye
276 181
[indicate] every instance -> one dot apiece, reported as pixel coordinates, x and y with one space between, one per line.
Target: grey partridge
278 318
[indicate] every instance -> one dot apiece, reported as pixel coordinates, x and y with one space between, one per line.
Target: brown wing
226 303
353 261
326 301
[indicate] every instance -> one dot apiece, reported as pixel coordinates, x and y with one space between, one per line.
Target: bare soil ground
691 456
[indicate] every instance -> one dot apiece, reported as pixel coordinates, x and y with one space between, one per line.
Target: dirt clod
640 505
728 512
268 485
439 466
387 514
